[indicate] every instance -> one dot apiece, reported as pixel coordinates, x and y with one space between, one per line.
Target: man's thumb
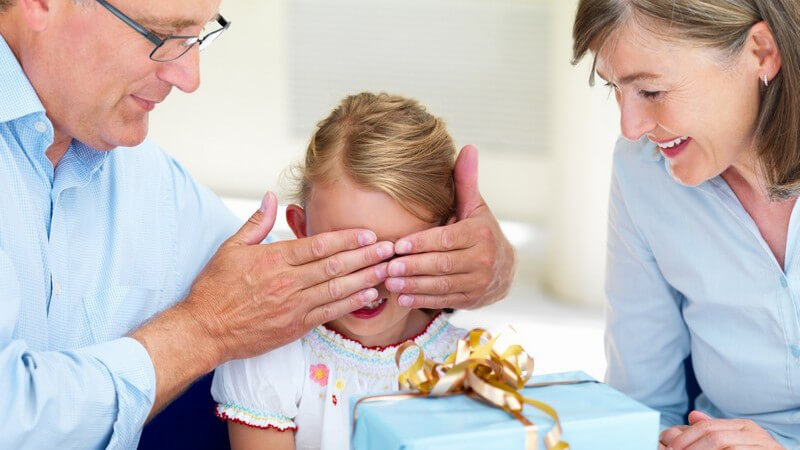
259 224
465 175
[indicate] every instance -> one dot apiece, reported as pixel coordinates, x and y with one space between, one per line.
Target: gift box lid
593 416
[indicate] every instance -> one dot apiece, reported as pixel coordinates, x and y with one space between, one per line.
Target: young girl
379 162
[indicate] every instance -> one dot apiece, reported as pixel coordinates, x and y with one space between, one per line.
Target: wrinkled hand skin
252 298
707 433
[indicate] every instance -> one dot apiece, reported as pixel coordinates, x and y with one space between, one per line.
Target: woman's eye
650 94
611 86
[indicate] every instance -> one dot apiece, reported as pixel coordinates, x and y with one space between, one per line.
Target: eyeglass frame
159 42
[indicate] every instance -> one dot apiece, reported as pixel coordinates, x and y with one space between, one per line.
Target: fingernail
395 284
366 238
369 295
385 250
402 246
397 269
404 300
381 271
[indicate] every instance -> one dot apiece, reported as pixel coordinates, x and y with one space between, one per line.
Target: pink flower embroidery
319 374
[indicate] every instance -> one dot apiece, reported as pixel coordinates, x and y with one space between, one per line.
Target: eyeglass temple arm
143 31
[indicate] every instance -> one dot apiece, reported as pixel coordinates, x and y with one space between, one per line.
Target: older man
112 299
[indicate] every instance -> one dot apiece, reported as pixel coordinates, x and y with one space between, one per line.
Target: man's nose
184 72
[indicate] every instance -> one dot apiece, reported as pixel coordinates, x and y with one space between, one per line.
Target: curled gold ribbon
479 370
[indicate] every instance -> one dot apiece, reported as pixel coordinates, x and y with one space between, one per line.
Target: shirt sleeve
263 391
646 336
203 224
93 397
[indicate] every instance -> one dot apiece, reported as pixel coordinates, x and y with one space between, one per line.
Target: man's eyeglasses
170 47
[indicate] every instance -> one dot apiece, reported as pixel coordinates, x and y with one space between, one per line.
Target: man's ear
296 218
35 13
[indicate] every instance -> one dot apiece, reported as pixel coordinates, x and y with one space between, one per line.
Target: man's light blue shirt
88 252
688 272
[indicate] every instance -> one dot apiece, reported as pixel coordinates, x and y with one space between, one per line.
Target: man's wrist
179 332
205 331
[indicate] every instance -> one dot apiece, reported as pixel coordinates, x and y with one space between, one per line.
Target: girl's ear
296 218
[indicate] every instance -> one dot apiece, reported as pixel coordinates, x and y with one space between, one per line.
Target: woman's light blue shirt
88 252
688 272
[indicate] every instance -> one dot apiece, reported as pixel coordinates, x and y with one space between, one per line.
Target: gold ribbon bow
481 372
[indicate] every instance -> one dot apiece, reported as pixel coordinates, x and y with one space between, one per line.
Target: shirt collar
19 99
17 96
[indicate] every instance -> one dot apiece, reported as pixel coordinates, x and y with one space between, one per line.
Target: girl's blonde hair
388 144
724 25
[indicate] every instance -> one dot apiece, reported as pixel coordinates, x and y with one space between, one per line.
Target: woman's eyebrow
628 79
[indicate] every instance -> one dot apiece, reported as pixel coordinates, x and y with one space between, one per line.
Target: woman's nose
636 118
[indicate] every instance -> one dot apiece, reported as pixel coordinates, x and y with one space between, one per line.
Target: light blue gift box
593 416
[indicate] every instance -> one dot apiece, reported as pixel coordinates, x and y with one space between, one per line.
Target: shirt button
40 126
796 351
784 283
56 288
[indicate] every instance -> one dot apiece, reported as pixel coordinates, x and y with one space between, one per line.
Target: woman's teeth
673 142
375 303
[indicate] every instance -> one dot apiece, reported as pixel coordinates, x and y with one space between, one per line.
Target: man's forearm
182 350
105 387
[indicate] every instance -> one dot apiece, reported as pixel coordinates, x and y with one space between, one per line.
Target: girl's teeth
375 303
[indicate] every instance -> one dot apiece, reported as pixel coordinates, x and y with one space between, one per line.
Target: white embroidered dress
305 386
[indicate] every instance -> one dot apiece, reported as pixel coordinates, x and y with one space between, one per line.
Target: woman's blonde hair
388 144
724 25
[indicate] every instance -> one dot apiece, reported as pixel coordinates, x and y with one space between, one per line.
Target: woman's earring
766 81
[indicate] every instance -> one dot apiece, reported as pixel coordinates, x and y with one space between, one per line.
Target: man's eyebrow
171 23
628 79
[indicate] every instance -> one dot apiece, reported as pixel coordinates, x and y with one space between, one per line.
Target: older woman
704 232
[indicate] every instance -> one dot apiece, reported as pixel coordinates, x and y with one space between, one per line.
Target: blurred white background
498 71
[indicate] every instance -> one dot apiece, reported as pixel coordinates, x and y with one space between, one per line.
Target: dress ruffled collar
327 341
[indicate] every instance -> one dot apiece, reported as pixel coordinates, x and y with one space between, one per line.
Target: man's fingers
255 230
331 311
343 287
303 251
438 239
458 300
693 433
434 285
345 262
433 263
